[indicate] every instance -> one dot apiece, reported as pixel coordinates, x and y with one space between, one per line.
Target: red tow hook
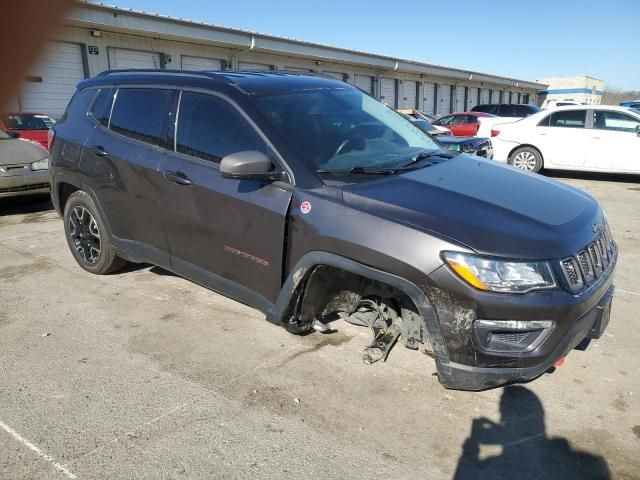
559 362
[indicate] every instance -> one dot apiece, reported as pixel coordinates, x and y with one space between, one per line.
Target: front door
221 229
615 142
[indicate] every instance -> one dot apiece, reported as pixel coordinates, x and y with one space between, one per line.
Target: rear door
615 141
232 229
464 126
121 159
563 139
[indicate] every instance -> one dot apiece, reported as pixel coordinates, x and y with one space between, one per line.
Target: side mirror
13 134
249 164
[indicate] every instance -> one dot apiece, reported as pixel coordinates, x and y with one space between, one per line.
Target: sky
523 39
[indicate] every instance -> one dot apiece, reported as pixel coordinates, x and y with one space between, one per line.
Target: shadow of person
518 446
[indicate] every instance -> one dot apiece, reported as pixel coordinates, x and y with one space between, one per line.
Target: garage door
495 96
336 75
427 97
52 80
484 96
388 91
120 58
200 63
364 82
444 93
472 98
408 95
253 66
459 106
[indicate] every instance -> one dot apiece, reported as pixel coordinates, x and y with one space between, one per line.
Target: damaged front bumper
464 377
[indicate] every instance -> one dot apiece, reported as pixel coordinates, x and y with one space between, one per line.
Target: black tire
87 236
527 159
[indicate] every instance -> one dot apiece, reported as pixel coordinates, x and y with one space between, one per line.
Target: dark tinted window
506 111
483 108
102 106
210 128
604 120
568 119
545 121
525 110
139 113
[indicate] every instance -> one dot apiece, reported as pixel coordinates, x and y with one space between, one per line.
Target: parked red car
461 124
30 126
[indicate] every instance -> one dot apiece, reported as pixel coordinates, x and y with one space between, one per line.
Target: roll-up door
459 106
120 58
200 63
408 97
364 82
427 97
484 96
52 80
388 91
495 96
253 66
444 98
472 98
336 75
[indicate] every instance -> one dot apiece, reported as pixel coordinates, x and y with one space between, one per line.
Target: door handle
177 177
98 151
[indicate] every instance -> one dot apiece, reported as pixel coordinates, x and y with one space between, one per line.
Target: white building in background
580 89
96 37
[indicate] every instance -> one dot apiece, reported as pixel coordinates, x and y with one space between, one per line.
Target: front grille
24 188
590 263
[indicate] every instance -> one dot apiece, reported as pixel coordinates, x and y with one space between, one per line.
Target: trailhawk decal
248 256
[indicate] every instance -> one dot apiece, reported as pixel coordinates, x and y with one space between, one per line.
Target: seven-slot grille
590 263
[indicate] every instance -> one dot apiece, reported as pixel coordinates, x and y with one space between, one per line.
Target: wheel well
64 192
526 145
330 291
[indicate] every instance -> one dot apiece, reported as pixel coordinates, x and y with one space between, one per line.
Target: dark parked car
311 201
521 110
479 146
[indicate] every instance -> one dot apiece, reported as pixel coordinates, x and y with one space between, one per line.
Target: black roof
250 82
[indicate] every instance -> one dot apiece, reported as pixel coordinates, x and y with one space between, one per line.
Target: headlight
494 275
40 164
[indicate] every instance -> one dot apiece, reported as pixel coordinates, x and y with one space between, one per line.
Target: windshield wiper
424 155
362 170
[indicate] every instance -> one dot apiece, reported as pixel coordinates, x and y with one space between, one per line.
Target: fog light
509 336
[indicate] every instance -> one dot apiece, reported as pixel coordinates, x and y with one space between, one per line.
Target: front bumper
24 181
463 377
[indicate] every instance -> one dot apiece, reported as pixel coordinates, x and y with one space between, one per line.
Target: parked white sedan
599 138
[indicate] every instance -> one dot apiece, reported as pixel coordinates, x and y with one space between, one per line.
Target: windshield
342 129
27 121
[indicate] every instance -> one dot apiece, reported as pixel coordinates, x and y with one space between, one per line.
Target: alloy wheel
525 160
85 234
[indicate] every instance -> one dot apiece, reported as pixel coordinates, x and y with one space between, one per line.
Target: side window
568 119
210 128
140 113
472 119
102 106
506 111
522 111
460 120
604 120
545 122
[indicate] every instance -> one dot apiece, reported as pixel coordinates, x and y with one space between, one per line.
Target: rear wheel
526 158
87 237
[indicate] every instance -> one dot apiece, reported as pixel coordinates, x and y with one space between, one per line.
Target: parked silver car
24 167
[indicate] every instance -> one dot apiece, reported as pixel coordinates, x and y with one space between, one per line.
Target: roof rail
156 71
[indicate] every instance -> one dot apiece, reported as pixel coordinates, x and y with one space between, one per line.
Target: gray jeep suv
311 201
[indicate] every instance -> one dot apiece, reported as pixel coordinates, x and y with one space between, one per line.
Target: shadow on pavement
26 204
601 177
526 450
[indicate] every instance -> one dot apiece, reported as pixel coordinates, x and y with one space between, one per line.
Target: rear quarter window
101 108
139 113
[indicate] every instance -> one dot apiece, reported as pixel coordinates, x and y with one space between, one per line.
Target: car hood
19 152
489 207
